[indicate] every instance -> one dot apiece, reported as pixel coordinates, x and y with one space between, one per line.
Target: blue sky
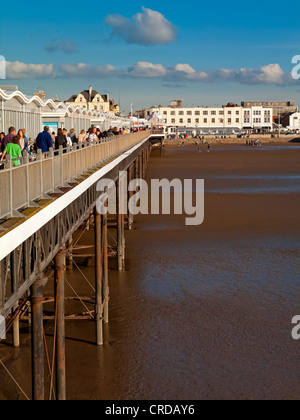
206 53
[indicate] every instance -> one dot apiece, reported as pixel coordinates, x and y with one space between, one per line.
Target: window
165 112
229 112
213 113
197 112
237 120
181 121
173 113
197 120
189 113
205 120
221 112
237 113
189 121
181 113
173 121
213 120
229 120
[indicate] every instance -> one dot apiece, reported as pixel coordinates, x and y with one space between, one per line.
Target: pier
43 204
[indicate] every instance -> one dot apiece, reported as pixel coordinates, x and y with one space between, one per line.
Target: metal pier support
130 194
37 340
60 267
14 287
105 269
98 278
120 229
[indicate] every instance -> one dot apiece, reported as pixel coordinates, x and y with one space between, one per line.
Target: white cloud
146 70
68 46
86 70
271 74
146 28
17 70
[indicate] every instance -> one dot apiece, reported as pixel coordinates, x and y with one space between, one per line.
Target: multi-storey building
227 120
279 107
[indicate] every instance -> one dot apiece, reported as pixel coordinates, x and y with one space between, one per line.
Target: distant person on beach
208 147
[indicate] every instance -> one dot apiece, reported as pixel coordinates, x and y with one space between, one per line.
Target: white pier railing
22 185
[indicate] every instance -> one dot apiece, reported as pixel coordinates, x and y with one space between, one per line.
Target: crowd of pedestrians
15 145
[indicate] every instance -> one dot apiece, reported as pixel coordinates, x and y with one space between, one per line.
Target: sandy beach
200 312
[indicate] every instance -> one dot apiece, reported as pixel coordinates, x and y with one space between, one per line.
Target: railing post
39 158
60 152
26 162
51 156
69 159
8 165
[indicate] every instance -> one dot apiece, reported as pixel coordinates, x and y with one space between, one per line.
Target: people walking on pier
69 141
23 142
92 137
44 140
8 138
82 137
14 150
73 137
60 140
2 135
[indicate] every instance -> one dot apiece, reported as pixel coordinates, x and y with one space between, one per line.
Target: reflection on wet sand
200 312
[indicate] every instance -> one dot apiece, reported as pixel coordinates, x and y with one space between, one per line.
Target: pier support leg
98 279
130 194
14 287
60 267
70 256
105 270
120 228
37 340
16 330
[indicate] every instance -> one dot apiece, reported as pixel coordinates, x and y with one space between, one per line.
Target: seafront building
32 112
93 101
228 120
280 108
294 125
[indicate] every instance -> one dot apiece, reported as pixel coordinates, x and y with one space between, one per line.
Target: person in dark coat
44 140
61 140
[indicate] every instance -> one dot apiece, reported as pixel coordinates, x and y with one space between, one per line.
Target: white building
215 121
32 113
258 119
295 122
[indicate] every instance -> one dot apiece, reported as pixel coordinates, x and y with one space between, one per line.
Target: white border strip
20 234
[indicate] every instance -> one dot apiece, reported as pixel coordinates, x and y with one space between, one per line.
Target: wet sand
200 312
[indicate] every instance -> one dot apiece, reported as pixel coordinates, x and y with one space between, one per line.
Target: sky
149 53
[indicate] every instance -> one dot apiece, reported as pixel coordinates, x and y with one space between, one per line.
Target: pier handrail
22 186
